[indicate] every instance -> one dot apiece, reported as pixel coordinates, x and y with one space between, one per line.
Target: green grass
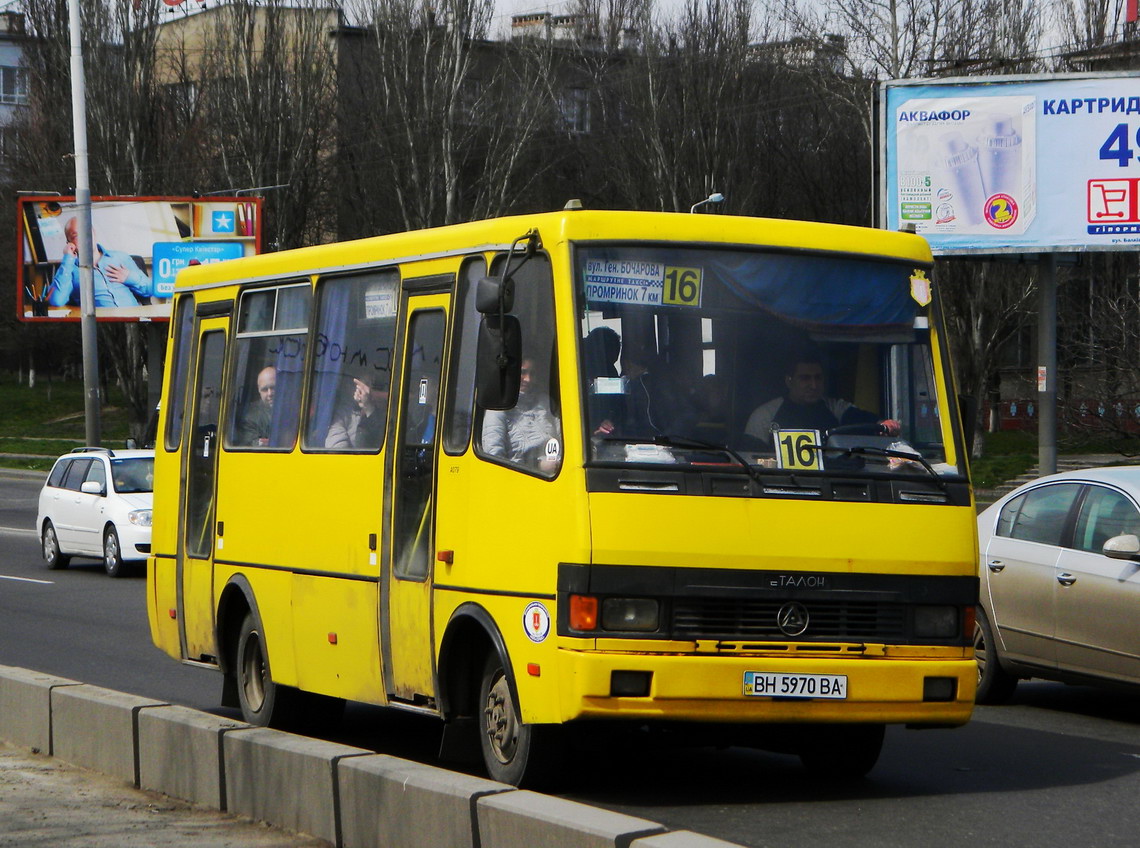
48 419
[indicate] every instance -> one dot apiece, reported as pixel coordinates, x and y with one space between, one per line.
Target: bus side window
460 401
180 364
267 377
529 436
351 370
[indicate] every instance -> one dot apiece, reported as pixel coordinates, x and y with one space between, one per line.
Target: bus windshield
778 361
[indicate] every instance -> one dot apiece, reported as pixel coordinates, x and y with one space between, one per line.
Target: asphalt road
1058 767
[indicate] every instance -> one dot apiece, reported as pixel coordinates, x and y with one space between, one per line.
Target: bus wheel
995 684
841 752
257 693
513 752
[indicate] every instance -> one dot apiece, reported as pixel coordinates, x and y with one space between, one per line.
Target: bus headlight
141 517
637 614
936 622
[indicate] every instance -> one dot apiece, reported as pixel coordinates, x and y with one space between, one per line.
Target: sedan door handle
1066 579
995 565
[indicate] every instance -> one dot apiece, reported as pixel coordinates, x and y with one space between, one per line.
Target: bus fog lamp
936 622
635 614
630 684
939 689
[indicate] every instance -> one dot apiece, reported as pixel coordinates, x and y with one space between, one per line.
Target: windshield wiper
666 440
862 450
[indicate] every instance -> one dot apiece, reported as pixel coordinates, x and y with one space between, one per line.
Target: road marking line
23 531
27 580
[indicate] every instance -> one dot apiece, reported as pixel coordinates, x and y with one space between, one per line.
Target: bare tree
439 124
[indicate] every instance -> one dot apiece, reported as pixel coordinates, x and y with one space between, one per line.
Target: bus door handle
995 565
1066 579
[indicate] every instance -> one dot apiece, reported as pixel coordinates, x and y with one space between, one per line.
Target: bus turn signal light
583 612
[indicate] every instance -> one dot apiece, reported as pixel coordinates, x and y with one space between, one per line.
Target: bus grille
713 618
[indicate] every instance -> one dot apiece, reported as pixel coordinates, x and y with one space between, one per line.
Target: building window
13 85
574 103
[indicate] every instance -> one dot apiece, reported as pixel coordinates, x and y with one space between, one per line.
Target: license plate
778 684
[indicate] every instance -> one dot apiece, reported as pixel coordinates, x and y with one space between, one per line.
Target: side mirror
91 487
495 295
498 362
1126 546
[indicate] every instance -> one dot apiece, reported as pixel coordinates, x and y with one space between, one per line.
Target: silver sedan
1060 582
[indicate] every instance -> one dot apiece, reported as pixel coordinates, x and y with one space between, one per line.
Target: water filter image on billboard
966 165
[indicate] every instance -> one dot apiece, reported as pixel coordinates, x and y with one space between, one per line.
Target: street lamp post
715 197
91 405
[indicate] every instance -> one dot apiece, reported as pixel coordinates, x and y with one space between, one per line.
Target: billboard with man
138 247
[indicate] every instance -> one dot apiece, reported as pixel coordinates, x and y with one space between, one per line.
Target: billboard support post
1047 364
88 327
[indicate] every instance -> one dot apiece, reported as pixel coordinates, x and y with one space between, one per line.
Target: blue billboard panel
170 257
1013 164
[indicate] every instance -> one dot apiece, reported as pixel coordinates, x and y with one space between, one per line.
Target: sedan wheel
995 684
113 554
52 555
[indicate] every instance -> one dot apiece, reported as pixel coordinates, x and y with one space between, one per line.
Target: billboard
1027 164
140 244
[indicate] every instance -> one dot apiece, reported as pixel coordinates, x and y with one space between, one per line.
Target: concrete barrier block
95 728
284 780
681 839
526 819
25 706
180 754
386 802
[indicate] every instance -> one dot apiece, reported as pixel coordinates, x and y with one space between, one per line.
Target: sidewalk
44 802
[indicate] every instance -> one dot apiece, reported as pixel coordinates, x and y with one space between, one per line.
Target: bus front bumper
936 688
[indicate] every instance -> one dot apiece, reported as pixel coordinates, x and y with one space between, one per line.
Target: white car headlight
141 517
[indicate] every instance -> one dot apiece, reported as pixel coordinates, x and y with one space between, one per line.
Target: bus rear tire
520 754
263 703
841 752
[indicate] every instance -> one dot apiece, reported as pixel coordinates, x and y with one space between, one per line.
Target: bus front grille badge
792 619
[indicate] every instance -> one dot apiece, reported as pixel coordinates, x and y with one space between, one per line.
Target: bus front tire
841 752
995 684
513 752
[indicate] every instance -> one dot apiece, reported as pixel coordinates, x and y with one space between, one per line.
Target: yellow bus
533 473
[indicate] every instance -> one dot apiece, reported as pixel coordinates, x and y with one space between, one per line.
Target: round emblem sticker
536 622
1001 211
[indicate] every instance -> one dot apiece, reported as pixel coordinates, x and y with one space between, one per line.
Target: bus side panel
335 637
312 514
162 604
509 529
273 596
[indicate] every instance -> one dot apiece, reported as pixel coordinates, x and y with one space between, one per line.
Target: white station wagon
97 503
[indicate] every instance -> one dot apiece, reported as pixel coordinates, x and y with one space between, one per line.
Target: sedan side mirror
1126 546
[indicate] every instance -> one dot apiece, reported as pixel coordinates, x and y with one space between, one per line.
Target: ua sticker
536 622
553 449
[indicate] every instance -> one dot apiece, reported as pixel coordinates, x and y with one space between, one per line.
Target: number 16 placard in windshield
798 449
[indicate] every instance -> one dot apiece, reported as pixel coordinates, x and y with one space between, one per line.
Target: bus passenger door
406 622
196 515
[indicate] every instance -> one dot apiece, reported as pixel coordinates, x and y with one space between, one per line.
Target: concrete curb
350 797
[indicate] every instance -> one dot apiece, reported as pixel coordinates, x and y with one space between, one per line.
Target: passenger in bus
255 423
360 423
528 434
650 405
805 406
